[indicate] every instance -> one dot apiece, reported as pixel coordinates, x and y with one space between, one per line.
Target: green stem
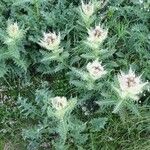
92 143
64 130
87 23
37 7
96 52
91 84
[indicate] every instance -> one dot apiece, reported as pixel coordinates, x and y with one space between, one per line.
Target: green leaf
3 69
97 124
20 63
118 106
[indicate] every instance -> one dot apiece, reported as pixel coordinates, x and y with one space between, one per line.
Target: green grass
127 44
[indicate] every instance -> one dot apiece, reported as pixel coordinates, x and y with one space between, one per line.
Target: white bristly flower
50 41
87 8
97 35
59 103
95 69
130 85
13 31
141 1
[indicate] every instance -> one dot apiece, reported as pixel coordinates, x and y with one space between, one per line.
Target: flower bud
14 32
130 85
95 69
87 9
50 41
59 103
97 35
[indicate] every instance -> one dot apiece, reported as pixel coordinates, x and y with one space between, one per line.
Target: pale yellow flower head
95 69
97 35
13 31
50 41
59 103
87 8
130 85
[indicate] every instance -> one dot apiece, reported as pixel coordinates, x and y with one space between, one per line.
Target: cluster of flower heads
97 35
51 40
130 85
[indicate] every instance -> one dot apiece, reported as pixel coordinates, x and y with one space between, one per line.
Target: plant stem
64 130
92 144
96 53
37 8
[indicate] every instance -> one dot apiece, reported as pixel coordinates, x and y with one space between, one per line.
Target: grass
128 25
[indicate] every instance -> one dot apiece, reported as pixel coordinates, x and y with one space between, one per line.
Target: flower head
50 41
13 31
141 1
130 84
95 69
97 35
87 9
59 103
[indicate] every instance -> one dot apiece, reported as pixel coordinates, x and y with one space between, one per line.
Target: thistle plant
14 33
13 47
59 103
128 90
62 106
63 89
96 37
87 10
94 72
130 87
94 44
55 111
62 109
51 42
95 69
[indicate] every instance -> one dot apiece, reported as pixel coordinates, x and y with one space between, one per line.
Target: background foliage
29 77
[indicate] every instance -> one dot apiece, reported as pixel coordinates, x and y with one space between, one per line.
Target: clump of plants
74 74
